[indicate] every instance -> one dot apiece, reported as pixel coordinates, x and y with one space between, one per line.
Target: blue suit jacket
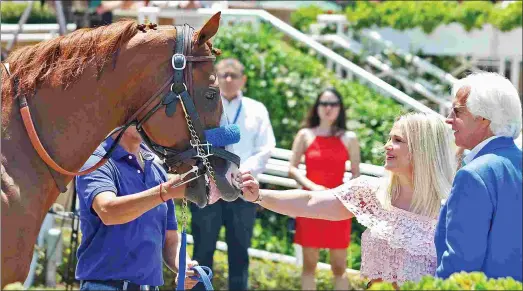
479 227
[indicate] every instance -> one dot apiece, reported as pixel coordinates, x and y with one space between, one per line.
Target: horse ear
208 30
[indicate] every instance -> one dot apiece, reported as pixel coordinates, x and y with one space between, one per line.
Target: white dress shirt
256 134
470 156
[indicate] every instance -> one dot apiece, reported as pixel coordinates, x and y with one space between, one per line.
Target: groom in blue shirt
480 224
128 222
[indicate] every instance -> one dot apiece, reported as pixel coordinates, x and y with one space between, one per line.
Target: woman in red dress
326 145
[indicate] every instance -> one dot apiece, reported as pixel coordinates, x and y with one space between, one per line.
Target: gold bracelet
258 199
161 192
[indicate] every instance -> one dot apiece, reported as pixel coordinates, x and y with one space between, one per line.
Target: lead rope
205 273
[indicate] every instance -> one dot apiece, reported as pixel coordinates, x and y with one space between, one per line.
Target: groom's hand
189 282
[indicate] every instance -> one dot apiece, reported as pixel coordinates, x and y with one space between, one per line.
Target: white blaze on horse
62 97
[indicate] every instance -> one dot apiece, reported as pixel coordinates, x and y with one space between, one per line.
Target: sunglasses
326 103
232 75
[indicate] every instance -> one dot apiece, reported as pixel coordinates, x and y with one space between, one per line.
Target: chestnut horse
78 88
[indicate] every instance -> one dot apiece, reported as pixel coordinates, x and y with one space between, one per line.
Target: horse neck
72 123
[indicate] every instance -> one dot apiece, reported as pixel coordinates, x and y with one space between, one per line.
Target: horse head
176 127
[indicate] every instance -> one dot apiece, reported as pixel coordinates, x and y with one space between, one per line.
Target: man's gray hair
493 97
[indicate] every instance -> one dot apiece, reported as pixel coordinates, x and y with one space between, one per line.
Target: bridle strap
35 141
37 144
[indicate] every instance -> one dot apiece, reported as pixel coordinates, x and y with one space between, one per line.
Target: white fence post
54 251
298 253
515 67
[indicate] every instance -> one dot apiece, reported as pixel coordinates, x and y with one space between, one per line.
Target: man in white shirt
254 148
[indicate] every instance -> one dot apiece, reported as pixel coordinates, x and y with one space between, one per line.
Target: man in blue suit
479 227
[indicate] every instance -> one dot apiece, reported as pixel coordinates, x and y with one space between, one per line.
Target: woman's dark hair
313 119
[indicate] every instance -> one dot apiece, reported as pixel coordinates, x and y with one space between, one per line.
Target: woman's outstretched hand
250 187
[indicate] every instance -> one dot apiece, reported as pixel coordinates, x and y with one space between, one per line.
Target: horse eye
211 94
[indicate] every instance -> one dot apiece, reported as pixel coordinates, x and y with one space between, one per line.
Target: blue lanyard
237 113
205 273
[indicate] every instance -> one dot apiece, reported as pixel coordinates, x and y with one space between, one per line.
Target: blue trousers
238 218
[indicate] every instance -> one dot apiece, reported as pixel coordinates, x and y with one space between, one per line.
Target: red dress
325 162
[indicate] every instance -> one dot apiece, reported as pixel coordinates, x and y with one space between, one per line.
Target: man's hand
189 282
176 192
250 187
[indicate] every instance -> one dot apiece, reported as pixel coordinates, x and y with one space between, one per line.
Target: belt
122 284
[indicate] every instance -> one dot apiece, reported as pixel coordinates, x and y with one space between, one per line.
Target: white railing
340 21
342 42
415 60
32 32
35 28
275 257
276 171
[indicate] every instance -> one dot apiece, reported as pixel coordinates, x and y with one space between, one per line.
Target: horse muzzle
222 180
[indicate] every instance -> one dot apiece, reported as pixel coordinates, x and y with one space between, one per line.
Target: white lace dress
398 245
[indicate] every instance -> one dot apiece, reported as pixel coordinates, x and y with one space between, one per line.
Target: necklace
141 160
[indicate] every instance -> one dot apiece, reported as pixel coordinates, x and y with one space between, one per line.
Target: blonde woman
400 212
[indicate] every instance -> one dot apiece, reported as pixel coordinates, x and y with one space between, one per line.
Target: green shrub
302 18
457 281
427 15
508 18
11 13
266 275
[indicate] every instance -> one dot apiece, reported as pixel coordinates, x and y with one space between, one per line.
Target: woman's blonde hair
433 163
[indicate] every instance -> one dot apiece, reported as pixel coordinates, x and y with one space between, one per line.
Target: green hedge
11 13
287 81
271 234
427 15
268 275
263 274
303 17
457 281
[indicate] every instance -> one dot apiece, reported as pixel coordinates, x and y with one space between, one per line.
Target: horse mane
62 60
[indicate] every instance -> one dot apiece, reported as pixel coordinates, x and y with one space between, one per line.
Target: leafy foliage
266 275
302 18
457 281
11 13
427 15
508 18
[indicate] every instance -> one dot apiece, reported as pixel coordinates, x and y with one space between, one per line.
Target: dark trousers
238 218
